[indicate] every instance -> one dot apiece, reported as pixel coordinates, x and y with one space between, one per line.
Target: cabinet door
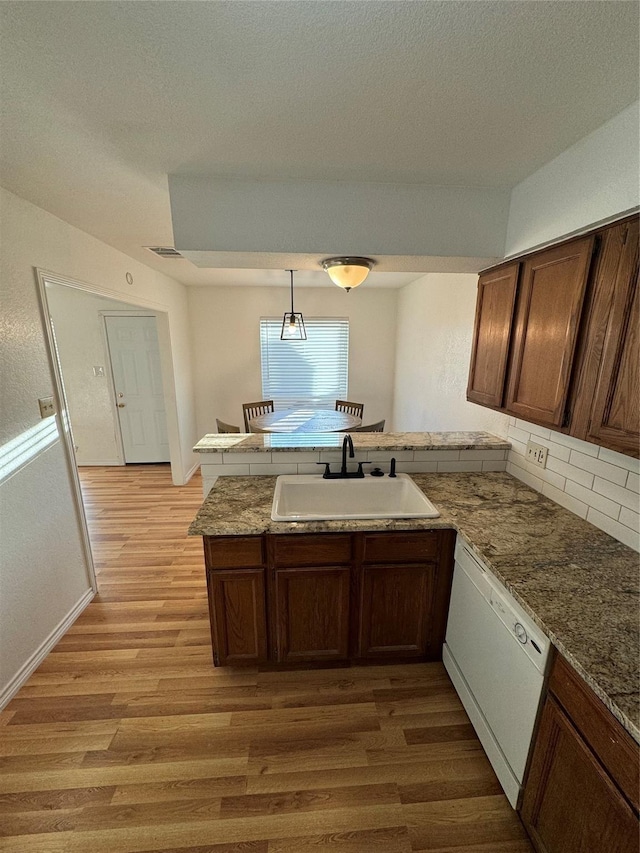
615 416
238 617
312 613
492 333
546 330
570 804
395 610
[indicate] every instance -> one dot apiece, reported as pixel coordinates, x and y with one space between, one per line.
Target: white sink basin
311 498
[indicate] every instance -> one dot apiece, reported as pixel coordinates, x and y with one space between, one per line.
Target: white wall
226 345
434 332
81 343
323 218
594 180
43 574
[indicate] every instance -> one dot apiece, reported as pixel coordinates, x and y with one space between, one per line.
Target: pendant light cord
291 272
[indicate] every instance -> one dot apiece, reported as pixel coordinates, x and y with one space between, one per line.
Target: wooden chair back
222 427
377 427
252 410
355 409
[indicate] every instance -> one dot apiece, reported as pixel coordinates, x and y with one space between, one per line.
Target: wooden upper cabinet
557 338
494 315
615 416
547 321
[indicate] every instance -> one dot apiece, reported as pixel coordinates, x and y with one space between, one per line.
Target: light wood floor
127 739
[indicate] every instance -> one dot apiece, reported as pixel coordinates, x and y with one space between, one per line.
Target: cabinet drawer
230 552
400 547
615 748
321 550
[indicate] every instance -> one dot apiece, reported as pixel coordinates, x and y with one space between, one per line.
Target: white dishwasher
496 658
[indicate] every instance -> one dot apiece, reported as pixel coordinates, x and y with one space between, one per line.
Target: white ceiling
101 101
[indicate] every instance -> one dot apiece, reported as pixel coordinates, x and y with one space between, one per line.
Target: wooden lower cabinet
238 616
581 791
395 607
311 620
329 597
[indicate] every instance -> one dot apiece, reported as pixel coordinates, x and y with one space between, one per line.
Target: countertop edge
288 443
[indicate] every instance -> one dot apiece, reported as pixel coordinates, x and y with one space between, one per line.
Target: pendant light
293 322
347 272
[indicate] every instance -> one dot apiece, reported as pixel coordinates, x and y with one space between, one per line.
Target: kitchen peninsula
365 591
578 584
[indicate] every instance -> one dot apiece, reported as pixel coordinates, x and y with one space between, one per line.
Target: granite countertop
577 583
286 441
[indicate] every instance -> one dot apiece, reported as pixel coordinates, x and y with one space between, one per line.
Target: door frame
110 380
179 476
139 304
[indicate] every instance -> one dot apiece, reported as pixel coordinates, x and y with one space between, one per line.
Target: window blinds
312 372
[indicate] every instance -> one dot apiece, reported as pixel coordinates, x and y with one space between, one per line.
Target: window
312 372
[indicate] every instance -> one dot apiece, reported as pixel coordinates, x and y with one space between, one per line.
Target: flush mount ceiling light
293 322
347 272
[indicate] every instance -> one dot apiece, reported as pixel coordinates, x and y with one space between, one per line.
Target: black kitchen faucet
343 474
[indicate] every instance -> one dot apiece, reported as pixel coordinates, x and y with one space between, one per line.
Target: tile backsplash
593 482
305 462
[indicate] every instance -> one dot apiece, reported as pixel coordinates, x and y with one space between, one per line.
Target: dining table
305 419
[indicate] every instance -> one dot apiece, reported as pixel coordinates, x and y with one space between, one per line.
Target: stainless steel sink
312 498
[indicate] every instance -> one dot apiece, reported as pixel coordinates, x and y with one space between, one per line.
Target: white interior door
135 364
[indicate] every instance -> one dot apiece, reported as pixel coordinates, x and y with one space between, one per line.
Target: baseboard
190 473
95 463
7 693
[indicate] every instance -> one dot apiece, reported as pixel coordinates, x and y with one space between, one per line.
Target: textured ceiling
100 101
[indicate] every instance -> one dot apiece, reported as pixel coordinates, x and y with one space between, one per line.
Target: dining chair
222 427
377 427
252 410
355 409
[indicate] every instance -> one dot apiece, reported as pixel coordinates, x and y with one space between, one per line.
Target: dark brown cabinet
311 613
404 584
237 599
238 616
610 415
546 331
394 615
581 793
492 334
308 598
565 352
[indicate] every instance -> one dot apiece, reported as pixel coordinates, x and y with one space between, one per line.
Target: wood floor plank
460 823
127 739
312 799
393 839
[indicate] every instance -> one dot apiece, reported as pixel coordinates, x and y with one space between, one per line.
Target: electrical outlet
47 407
536 454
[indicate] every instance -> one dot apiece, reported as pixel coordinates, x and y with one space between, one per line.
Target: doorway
98 387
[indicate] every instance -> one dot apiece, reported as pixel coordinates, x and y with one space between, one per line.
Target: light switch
98 371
